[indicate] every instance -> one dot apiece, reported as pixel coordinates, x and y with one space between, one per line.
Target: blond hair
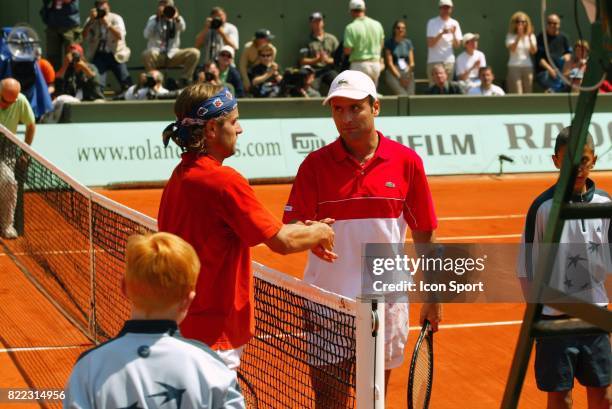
520 15
191 97
161 270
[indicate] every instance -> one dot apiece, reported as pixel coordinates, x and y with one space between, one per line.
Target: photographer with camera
216 34
77 77
298 83
104 35
163 31
149 86
228 74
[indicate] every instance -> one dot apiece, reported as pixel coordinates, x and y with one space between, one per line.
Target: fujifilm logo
306 142
440 145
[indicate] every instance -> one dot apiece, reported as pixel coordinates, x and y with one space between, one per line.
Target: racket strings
421 375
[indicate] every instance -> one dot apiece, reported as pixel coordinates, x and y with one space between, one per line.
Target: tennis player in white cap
375 189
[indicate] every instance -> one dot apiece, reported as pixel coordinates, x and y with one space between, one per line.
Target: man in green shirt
14 109
364 39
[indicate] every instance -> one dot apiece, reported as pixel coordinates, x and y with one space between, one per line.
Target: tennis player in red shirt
375 189
213 208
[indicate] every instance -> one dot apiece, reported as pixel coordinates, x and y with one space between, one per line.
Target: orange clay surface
471 363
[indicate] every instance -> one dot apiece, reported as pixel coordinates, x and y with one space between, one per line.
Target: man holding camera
216 34
77 77
104 35
163 34
149 86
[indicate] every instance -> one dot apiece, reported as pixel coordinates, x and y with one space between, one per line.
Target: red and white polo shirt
373 203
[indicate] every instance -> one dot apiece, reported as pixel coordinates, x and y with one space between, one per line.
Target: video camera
100 12
76 57
149 81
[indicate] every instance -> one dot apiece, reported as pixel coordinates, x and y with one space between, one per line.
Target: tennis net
70 243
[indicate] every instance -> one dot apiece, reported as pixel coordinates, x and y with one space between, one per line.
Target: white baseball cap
356 5
227 49
448 3
469 37
353 85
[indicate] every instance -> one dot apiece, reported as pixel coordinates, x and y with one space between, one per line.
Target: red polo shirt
373 203
214 209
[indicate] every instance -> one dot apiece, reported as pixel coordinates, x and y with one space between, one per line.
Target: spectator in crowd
470 61
606 86
14 109
364 39
443 34
399 61
216 34
560 52
486 88
47 71
139 367
150 86
578 61
105 46
297 82
209 73
265 76
575 77
521 44
163 32
77 77
228 74
63 27
441 85
319 53
250 54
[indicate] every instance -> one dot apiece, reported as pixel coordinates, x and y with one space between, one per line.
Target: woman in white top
521 43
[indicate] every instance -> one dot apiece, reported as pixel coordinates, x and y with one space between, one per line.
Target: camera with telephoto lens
169 12
149 81
76 57
216 23
100 12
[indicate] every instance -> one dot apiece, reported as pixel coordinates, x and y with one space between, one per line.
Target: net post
370 353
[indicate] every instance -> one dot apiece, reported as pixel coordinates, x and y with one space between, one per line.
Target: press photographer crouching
297 82
149 87
77 77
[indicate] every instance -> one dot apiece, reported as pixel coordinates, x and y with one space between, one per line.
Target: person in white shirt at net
486 88
469 62
443 34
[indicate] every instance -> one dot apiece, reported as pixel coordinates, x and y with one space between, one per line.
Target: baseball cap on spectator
469 37
167 2
353 85
75 47
226 49
356 5
443 3
307 69
316 16
264 33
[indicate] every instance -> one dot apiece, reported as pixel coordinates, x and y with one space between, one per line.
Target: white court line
493 236
9 350
472 325
499 216
52 253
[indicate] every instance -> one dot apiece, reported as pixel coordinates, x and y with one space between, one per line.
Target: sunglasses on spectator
553 23
226 55
400 28
265 55
521 21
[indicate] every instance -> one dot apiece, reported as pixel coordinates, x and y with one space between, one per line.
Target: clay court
473 349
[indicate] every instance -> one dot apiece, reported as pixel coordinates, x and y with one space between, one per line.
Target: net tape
71 245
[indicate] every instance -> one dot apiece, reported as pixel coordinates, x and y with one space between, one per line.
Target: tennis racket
421 370
250 398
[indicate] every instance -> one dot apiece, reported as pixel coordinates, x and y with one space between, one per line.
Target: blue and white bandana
216 106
